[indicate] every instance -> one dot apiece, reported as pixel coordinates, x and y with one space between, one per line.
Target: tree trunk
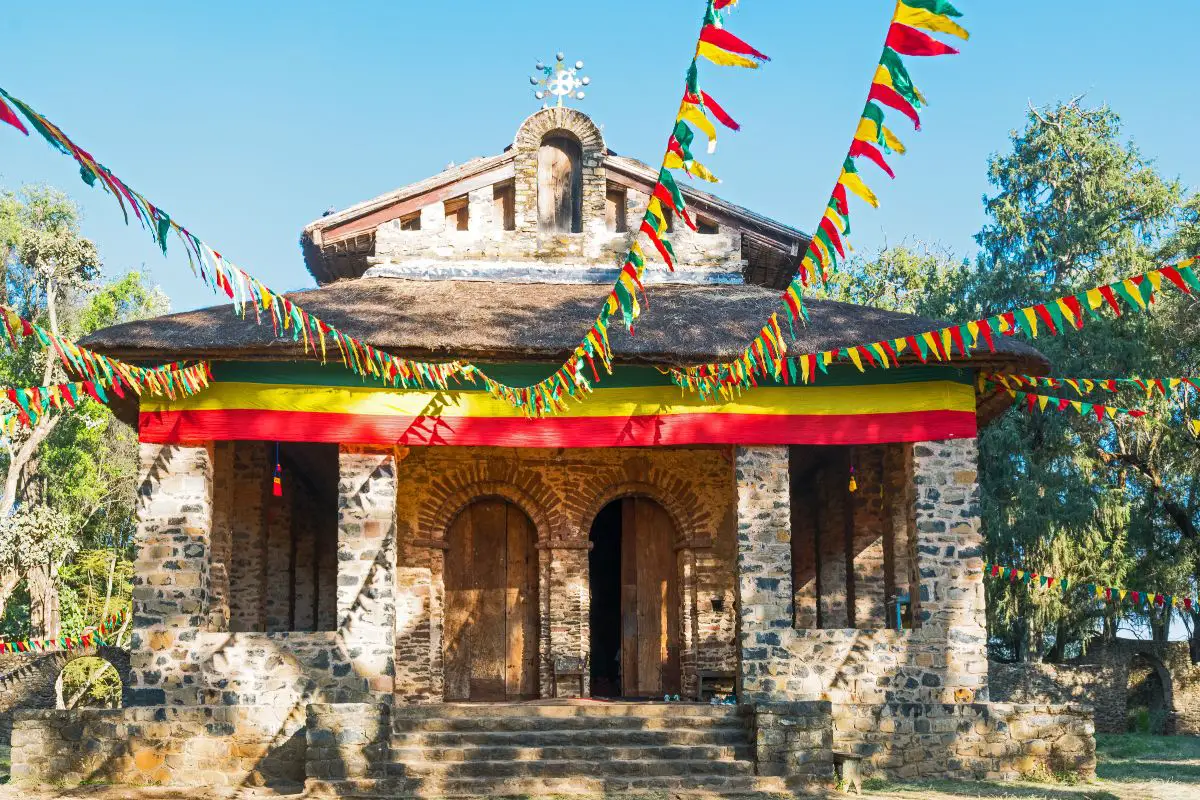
43 601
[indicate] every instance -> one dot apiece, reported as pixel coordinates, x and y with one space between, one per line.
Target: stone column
366 554
950 559
170 595
280 569
764 569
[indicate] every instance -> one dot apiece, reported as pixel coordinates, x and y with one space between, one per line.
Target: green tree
1076 205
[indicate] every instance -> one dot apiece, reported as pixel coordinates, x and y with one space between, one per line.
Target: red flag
719 112
826 224
719 37
911 42
985 330
9 116
861 148
890 97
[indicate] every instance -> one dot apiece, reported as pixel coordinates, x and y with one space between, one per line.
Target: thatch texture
474 319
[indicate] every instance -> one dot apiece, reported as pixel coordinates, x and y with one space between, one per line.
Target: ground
1131 767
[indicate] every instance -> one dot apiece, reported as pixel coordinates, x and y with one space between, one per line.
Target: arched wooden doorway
491 616
635 611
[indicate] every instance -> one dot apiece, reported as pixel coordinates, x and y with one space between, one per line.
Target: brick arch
538 125
674 494
524 490
29 681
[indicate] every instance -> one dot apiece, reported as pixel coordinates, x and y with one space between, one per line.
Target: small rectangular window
411 222
457 214
614 210
707 227
504 198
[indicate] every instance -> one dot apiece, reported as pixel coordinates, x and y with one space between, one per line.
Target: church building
461 586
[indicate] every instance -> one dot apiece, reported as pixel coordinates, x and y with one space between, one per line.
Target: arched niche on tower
560 177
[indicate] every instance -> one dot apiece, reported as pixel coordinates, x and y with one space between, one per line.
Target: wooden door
560 185
649 601
490 633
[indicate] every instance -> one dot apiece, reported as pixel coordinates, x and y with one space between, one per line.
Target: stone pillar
222 541
170 594
764 568
950 545
366 555
564 618
304 599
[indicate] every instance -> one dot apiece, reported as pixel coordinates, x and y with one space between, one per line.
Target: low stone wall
1101 687
795 740
995 741
197 746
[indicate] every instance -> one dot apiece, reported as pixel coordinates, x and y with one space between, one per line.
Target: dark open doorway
634 611
604 618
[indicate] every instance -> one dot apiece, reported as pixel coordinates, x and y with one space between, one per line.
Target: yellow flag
855 184
932 342
694 168
898 345
1155 279
1042 400
920 18
804 369
884 77
1195 425
973 329
1134 292
1067 312
1031 318
827 357
724 58
691 113
856 358
1122 592
1078 406
883 356
869 131
1111 411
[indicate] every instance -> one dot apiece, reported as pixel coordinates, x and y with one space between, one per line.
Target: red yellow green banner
637 407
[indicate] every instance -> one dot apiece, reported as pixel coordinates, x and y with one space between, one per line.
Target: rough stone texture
28 680
349 740
280 569
942 660
485 242
794 740
248 563
170 598
561 491
1101 679
995 741
197 746
366 563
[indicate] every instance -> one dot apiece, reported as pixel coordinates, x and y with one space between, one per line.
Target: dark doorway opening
604 617
634 611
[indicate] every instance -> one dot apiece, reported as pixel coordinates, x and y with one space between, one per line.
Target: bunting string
1084 386
1111 594
575 377
99 636
891 88
1053 318
102 371
1040 403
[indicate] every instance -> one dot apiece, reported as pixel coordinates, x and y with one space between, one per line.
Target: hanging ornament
277 483
853 483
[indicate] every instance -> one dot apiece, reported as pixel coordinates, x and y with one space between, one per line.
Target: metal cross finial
559 80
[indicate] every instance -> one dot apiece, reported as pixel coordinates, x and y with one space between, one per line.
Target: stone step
682 721
577 708
584 737
593 753
726 787
544 768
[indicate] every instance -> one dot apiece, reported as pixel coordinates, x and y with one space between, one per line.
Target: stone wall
177 661
197 746
994 741
794 740
941 660
29 680
438 245
1101 679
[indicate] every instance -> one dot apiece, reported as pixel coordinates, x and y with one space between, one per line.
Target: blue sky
246 120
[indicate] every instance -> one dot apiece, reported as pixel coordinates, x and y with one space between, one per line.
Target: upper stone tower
557 206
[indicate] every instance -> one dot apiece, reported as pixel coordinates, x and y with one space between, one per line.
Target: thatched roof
533 322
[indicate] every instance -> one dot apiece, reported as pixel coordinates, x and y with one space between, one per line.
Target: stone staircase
565 748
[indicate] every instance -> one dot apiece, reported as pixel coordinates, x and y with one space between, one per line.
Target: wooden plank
459 599
629 599
614 210
486 626
521 618
560 185
658 608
